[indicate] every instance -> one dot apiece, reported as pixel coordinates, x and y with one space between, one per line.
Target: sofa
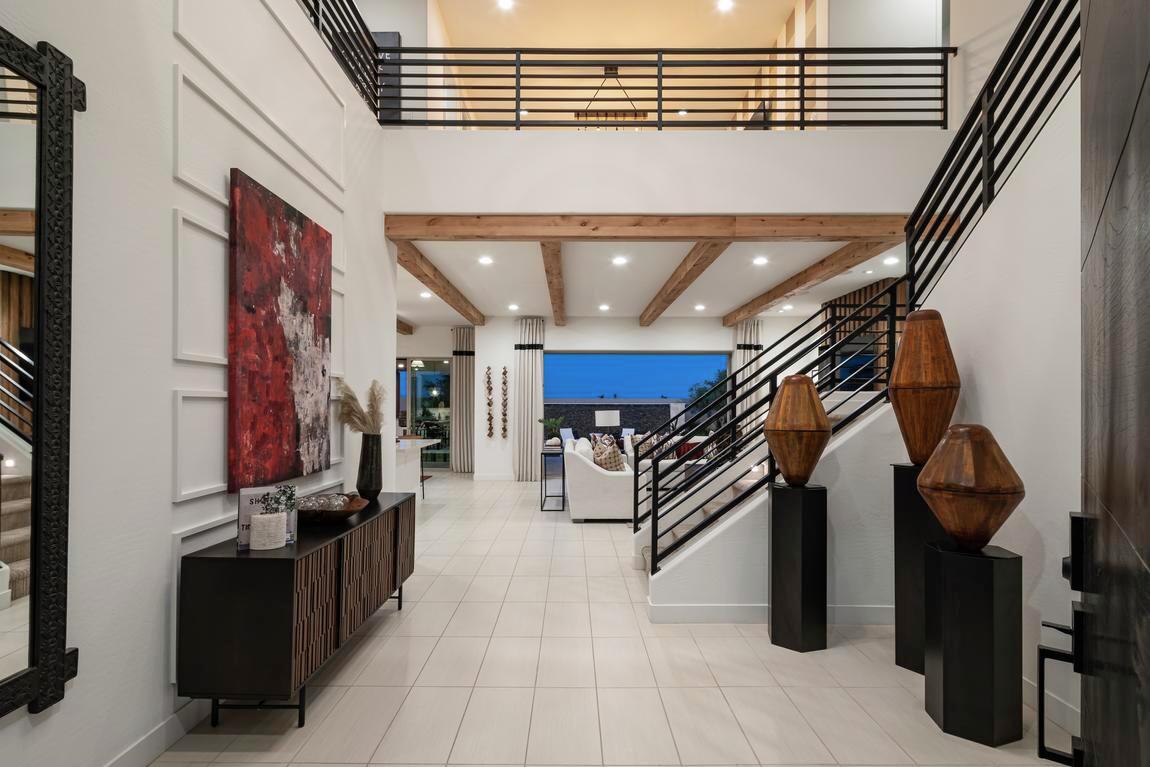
592 491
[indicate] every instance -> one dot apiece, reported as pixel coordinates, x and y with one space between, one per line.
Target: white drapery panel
748 345
463 400
527 401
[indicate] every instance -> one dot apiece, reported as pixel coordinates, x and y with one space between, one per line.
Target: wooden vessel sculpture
970 485
797 429
924 384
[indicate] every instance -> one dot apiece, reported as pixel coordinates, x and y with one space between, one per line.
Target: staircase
16 532
712 458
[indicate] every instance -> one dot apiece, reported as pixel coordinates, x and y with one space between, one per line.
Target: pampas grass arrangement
355 416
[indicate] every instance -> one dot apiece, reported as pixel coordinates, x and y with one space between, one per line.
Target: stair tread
16 534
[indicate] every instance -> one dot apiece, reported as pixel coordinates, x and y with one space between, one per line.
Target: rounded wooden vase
797 429
970 485
924 384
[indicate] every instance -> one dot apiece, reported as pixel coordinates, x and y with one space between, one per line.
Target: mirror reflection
17 362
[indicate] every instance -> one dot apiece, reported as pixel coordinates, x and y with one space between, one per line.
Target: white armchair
592 491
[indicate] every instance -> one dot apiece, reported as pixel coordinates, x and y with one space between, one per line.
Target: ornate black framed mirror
38 95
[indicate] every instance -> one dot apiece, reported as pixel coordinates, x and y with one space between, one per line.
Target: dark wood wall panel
1116 380
1116 52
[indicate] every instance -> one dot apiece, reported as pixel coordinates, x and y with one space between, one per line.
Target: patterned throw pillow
607 455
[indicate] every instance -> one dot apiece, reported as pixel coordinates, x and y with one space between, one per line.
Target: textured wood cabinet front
316 603
368 572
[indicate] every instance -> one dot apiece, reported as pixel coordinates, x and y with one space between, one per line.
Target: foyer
524 640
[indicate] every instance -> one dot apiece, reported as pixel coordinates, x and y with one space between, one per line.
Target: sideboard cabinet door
315 635
368 572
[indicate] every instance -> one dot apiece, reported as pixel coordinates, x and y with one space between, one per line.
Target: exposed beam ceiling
411 259
694 264
788 228
403 327
553 266
17 221
846 257
17 259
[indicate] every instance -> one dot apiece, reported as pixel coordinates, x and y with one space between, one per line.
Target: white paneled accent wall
180 92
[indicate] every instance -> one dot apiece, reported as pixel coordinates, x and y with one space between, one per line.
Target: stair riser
20 583
14 519
15 489
14 551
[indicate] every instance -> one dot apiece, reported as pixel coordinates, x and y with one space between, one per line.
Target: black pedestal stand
974 643
799 567
915 526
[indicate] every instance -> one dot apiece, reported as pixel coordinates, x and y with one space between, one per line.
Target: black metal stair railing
676 482
1039 63
17 371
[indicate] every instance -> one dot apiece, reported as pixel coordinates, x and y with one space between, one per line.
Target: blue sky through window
627 376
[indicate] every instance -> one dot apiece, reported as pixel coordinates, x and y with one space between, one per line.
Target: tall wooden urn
797 429
970 485
924 384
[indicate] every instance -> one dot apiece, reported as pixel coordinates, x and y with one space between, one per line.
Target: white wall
495 348
592 334
670 172
167 117
1011 302
17 164
885 22
980 29
427 341
408 17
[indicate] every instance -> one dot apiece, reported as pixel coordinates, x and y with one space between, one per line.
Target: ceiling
517 276
614 23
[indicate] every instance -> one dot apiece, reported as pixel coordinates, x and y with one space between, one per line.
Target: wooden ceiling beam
847 257
418 265
17 221
403 327
553 266
693 265
566 228
17 259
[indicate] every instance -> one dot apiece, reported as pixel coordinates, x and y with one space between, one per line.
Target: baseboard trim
1063 713
163 736
837 615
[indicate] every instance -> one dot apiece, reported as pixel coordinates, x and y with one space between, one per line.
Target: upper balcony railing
636 88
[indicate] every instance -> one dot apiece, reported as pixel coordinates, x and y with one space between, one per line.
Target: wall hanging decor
490 390
367 421
506 399
924 384
970 485
279 340
797 429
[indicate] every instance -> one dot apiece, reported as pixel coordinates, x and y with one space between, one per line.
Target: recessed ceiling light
447 362
400 366
869 271
700 308
760 261
890 260
788 307
486 260
604 307
682 113
506 5
524 112
513 307
619 260
724 6
425 294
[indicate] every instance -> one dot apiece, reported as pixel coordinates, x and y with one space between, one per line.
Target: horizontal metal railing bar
950 50
667 63
19 416
17 115
733 110
651 99
510 80
863 387
656 124
17 353
669 527
930 226
707 522
1027 48
718 464
27 394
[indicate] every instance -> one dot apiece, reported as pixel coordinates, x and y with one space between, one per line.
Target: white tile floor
524 640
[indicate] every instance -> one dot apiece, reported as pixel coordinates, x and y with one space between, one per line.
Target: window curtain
527 437
463 400
748 345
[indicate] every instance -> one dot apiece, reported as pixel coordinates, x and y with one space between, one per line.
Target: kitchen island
409 465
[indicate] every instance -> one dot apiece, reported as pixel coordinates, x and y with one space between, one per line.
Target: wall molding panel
183 221
338 332
180 490
183 30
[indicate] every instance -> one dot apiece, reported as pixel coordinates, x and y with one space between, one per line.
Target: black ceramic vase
369 483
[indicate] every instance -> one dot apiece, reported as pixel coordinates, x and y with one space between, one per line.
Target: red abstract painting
279 340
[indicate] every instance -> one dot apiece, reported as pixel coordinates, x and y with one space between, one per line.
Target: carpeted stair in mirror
16 530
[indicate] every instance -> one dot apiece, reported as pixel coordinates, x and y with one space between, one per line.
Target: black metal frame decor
51 662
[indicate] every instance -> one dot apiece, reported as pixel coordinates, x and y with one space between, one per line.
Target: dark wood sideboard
254 626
